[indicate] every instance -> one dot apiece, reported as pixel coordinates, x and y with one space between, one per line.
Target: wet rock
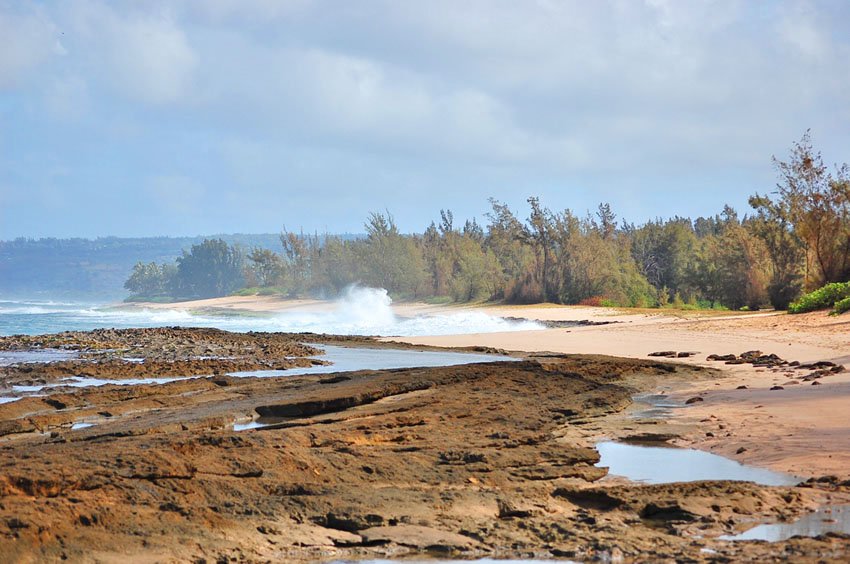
349 522
666 354
598 499
460 457
721 357
511 510
775 388
415 536
668 512
751 355
693 400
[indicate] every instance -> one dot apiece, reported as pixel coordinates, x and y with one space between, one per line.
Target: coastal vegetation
835 295
796 238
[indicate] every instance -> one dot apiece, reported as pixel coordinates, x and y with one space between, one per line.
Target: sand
803 429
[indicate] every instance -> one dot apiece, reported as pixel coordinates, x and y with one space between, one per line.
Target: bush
246 291
821 298
593 301
841 306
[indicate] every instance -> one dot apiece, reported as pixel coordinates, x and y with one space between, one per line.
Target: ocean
361 311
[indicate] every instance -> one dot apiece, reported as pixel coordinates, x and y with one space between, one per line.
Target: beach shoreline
802 429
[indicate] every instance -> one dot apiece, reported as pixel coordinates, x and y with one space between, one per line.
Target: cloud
29 39
143 54
389 103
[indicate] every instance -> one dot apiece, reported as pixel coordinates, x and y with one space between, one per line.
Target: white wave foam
368 311
359 311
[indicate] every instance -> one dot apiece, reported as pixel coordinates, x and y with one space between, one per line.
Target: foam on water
359 311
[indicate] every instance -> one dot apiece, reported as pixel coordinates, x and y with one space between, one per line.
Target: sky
215 116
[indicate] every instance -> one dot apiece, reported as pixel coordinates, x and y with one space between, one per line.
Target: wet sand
802 429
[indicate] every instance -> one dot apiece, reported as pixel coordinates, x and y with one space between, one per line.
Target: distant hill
95 269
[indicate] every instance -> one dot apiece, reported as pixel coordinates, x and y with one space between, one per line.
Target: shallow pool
38 355
827 519
662 465
342 359
350 359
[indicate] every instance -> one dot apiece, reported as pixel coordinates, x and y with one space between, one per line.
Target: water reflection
827 519
662 465
348 359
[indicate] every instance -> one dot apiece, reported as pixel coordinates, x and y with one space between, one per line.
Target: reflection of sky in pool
348 359
343 359
40 355
827 519
661 465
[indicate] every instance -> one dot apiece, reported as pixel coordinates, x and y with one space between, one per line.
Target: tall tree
818 203
210 269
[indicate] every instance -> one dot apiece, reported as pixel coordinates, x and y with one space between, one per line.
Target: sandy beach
203 444
802 429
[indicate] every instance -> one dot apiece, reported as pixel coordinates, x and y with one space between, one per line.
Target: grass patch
151 299
438 300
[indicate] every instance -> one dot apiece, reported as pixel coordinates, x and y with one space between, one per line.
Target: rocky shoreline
492 459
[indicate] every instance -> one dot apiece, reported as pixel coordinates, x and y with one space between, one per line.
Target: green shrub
271 291
438 300
841 306
245 292
821 298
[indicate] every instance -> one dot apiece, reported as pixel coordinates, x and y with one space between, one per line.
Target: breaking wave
359 311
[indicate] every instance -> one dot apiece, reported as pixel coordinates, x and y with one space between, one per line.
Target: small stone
776 388
741 450
694 399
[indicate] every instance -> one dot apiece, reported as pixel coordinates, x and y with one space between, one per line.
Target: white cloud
153 59
441 95
143 54
28 40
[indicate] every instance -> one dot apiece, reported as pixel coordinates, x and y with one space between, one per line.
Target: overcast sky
211 116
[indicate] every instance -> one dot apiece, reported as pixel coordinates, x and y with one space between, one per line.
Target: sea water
360 311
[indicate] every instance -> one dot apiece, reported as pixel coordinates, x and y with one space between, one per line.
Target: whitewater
359 311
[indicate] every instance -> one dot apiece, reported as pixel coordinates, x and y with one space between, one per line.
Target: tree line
795 238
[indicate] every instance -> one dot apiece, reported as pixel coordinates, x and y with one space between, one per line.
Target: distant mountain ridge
95 269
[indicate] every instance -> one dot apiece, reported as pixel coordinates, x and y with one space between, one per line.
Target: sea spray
358 311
